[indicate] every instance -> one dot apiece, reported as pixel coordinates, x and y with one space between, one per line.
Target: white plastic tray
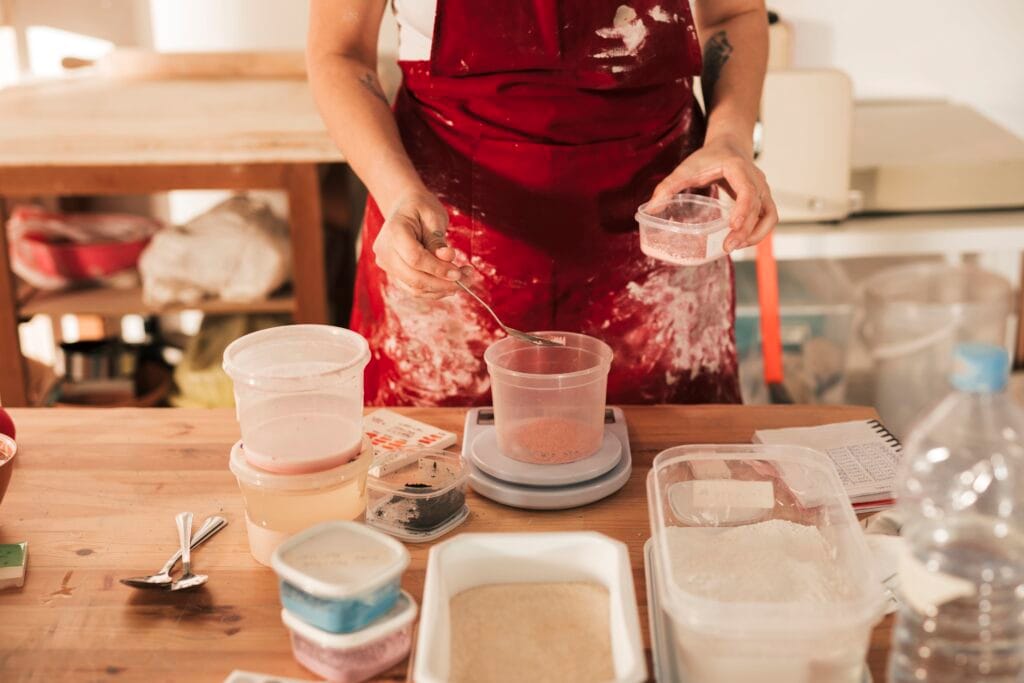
471 560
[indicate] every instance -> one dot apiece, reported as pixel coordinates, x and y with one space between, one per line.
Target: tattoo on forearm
370 82
716 54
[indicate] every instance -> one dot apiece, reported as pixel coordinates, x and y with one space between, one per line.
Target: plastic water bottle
962 499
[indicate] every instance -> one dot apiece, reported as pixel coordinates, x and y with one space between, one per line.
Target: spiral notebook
866 456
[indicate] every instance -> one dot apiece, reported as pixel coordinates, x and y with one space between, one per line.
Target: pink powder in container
358 656
686 229
552 440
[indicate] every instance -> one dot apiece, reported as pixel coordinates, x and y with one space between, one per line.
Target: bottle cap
980 368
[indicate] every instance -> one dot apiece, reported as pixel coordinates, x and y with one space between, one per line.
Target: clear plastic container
743 621
299 396
354 657
417 494
340 576
685 229
549 400
279 505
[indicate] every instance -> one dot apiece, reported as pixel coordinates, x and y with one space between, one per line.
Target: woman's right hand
412 250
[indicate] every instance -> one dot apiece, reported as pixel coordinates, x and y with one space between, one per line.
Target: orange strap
768 298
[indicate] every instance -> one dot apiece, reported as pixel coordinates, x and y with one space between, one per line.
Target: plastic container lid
337 560
798 480
400 616
272 481
256 359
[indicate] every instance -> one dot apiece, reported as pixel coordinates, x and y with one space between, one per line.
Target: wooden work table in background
95 492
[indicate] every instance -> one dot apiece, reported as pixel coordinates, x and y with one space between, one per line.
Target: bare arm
735 38
341 54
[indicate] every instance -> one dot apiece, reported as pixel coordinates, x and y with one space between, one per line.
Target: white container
279 505
471 560
354 657
340 576
685 229
299 396
718 641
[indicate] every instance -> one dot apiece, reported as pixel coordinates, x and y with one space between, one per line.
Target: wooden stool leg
13 385
306 218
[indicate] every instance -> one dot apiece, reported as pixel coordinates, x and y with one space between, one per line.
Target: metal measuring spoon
188 579
522 336
163 579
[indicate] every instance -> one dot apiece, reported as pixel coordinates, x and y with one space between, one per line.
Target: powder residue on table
772 561
552 440
536 632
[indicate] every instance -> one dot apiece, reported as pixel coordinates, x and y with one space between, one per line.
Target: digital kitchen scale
545 487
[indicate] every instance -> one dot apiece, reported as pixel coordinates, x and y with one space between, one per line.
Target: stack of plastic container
340 586
303 458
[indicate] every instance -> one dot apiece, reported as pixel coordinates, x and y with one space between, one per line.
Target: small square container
359 656
340 576
811 628
685 229
279 505
471 560
417 494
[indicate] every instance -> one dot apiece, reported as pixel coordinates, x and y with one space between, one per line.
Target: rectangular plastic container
471 560
549 400
340 576
354 657
685 229
279 505
417 494
794 641
817 303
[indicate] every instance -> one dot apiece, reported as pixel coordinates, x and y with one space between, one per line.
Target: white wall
972 52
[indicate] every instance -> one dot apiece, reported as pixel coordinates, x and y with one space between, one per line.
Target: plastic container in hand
960 492
354 657
685 229
549 401
340 576
417 494
787 634
299 396
279 505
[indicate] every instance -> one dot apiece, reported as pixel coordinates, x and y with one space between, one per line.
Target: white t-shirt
415 28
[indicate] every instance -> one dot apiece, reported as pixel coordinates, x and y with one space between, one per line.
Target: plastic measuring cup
279 505
299 396
549 400
685 229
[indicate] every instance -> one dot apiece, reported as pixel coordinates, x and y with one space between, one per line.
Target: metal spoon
188 579
162 579
522 336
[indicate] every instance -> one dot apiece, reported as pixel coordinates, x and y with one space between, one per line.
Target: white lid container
805 640
685 229
471 560
337 560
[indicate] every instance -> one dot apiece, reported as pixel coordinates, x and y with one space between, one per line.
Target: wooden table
95 493
122 136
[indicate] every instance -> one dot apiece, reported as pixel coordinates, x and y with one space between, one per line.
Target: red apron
541 125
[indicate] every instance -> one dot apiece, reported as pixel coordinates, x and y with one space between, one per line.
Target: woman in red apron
524 137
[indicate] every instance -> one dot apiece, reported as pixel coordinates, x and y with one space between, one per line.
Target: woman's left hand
729 165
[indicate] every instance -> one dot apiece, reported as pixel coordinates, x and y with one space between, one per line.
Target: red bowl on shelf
78 261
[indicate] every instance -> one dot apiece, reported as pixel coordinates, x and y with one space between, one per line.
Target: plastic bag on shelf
51 250
239 250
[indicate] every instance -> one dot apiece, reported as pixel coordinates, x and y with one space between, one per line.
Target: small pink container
358 656
685 229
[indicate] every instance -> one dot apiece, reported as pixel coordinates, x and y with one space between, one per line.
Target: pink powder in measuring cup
552 440
674 248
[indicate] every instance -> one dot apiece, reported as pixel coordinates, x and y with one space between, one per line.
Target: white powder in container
772 561
536 632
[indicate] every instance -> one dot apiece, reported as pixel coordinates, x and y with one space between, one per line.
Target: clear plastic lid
707 497
338 560
255 477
